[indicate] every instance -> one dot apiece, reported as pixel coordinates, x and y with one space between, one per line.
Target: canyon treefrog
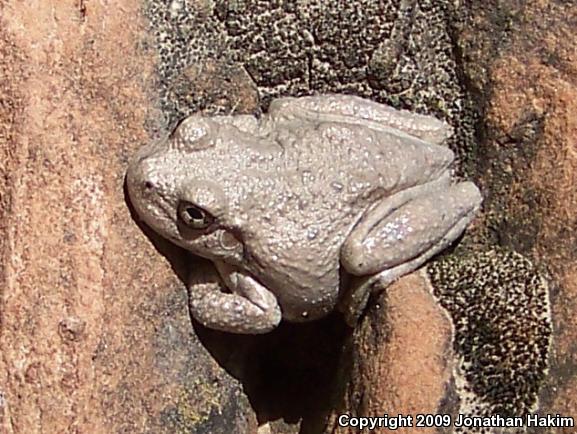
315 204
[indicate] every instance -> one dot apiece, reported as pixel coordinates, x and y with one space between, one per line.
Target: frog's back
327 175
364 158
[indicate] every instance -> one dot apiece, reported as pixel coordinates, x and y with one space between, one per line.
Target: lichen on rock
499 305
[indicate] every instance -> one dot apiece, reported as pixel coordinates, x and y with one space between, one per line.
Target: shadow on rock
294 373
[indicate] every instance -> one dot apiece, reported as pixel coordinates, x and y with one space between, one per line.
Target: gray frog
312 206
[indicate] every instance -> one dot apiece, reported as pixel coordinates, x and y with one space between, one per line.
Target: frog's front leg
249 308
397 235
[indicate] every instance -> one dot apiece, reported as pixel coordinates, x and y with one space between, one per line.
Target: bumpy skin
323 198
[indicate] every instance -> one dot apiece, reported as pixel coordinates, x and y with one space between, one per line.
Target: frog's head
175 196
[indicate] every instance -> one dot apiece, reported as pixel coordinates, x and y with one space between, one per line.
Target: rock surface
95 332
401 357
522 62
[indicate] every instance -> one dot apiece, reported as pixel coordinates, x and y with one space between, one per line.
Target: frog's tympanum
312 206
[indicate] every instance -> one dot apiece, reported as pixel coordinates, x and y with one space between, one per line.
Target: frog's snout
147 188
139 174
147 184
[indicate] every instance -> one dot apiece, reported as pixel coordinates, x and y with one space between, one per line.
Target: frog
309 208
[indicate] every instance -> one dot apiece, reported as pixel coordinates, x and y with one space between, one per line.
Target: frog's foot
399 234
249 309
354 110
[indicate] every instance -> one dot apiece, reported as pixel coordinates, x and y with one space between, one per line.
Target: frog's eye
193 216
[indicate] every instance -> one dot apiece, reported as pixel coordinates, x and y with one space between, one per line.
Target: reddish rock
95 332
527 83
402 358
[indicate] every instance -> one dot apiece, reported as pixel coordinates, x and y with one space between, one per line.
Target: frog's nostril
148 185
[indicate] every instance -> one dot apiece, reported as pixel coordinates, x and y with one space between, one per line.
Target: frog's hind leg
356 110
398 235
